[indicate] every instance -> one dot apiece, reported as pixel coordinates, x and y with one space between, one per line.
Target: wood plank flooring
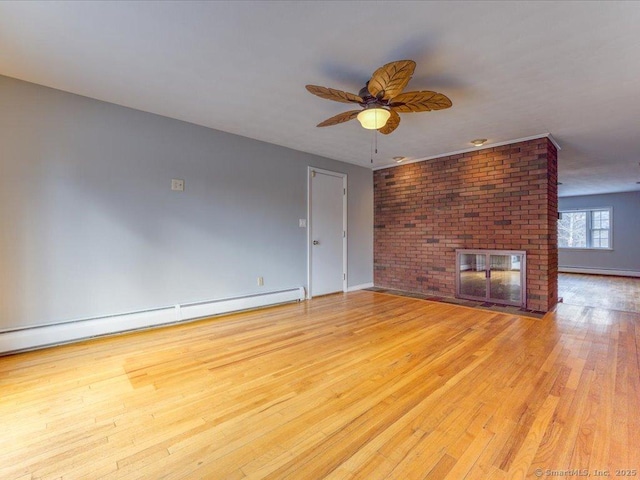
356 386
600 291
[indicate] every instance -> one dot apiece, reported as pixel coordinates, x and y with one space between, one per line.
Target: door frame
345 234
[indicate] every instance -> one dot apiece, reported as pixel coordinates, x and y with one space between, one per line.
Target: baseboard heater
29 338
599 271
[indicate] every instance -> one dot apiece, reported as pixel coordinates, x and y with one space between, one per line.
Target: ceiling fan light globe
373 118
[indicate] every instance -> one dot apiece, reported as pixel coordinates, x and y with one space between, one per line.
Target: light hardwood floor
601 291
356 386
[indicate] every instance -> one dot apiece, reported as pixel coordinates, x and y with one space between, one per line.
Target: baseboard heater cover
599 271
30 338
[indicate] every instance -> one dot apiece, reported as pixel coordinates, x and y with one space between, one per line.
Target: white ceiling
512 69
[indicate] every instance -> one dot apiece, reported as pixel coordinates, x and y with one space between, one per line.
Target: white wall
625 256
90 227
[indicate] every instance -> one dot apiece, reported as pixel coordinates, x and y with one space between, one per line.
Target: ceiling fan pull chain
372 151
374 144
375 132
376 137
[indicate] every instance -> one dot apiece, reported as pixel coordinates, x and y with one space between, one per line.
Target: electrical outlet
302 222
260 281
177 185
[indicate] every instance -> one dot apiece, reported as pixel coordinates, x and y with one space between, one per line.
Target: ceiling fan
382 99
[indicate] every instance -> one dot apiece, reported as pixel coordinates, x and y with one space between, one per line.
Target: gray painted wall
626 233
90 227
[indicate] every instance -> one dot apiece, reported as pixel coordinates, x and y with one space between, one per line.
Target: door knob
316 242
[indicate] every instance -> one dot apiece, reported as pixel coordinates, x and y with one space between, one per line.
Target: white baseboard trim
599 271
362 286
47 335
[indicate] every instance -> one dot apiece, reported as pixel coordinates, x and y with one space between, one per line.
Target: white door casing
327 232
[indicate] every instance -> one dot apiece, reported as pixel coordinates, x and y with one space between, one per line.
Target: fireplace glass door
494 276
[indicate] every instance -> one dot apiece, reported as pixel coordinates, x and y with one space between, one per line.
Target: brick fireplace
500 198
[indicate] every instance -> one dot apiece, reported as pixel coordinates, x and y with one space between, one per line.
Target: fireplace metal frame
523 275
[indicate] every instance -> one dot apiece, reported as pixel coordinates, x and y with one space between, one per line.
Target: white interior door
327 232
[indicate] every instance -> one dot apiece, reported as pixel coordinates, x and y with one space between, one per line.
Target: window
586 228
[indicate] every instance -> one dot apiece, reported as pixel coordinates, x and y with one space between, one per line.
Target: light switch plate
302 223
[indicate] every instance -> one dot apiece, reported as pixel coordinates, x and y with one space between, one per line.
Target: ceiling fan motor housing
368 99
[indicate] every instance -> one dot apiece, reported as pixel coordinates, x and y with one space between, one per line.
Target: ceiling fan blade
333 94
423 101
340 118
390 79
392 123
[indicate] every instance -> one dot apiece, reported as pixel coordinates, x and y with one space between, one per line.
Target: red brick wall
502 198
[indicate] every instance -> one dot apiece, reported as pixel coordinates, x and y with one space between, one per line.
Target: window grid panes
585 228
600 238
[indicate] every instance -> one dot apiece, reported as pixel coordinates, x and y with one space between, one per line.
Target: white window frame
589 228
